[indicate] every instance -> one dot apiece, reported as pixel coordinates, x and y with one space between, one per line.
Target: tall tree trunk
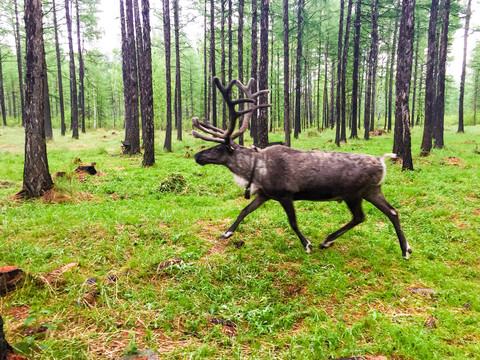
148 126
420 95
36 175
2 93
178 80
390 84
230 41
81 75
262 124
343 130
332 95
319 70
369 95
140 49
253 119
475 97
375 64
430 82
286 76
132 130
402 138
166 35
124 57
297 124
415 75
212 61
270 71
14 104
47 122
325 90
223 60
59 71
464 67
206 98
73 75
438 125
241 6
338 112
19 62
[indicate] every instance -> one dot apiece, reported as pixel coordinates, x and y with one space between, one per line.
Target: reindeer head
221 154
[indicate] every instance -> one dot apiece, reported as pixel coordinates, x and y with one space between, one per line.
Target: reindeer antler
222 136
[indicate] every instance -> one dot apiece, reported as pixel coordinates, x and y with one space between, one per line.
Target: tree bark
124 56
212 61
343 129
73 76
178 80
356 55
286 76
402 138
475 97
206 98
415 75
375 65
19 62
338 112
81 76
148 128
132 130
59 71
168 76
369 95
390 84
438 125
241 6
461 127
223 60
253 119
230 41
430 82
325 90
262 125
46 101
2 93
298 72
36 175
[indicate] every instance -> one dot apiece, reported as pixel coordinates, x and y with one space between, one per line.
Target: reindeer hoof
406 256
308 248
226 235
325 245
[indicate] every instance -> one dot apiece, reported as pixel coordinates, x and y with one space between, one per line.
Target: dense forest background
234 32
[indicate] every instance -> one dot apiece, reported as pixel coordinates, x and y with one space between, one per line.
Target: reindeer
284 174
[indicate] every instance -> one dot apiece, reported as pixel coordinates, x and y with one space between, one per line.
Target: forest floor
129 259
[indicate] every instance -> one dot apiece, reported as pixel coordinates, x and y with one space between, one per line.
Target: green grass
352 299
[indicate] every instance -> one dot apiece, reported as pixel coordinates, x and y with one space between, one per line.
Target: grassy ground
165 281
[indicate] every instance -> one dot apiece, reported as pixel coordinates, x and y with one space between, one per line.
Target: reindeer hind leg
378 199
355 206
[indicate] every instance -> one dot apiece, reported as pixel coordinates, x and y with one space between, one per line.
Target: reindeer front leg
254 205
287 204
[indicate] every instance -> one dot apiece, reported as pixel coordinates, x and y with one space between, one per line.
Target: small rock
148 354
422 291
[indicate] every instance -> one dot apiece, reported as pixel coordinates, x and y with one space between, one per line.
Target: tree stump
10 278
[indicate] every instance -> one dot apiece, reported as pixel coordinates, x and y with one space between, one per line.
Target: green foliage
352 299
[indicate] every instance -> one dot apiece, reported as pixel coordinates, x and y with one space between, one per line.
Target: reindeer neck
243 162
